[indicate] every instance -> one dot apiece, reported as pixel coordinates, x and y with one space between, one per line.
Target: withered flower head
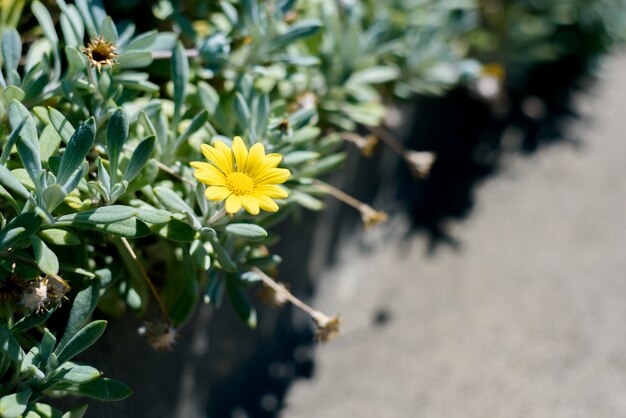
327 327
100 53
35 297
57 288
161 336
420 162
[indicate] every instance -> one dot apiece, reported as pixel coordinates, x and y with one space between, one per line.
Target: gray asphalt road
527 319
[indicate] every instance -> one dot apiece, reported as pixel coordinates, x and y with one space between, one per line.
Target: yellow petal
255 157
217 193
217 157
270 190
226 155
241 153
233 204
272 176
251 204
270 161
208 174
267 204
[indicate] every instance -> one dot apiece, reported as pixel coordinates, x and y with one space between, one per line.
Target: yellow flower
100 53
241 177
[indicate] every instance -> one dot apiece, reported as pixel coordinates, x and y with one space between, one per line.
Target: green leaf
140 157
180 77
82 340
76 62
30 321
48 341
55 118
78 412
307 201
248 232
76 373
153 216
221 255
176 230
135 59
82 307
242 111
8 180
14 405
324 165
72 26
20 227
48 143
374 75
58 237
128 228
198 122
103 389
109 31
47 260
242 305
27 144
77 149
9 345
45 20
53 196
143 41
200 255
171 200
117 134
299 30
102 215
11 52
299 157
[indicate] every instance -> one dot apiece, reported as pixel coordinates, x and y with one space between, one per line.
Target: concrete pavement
527 319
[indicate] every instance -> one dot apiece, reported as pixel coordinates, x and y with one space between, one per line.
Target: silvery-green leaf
76 62
58 237
47 260
11 52
45 20
299 157
53 196
140 157
51 116
82 340
49 142
72 26
299 30
27 143
198 122
135 59
102 215
248 232
117 134
109 31
242 111
143 41
180 78
172 201
20 227
77 149
14 405
93 14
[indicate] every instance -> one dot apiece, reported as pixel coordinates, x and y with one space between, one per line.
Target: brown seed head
100 53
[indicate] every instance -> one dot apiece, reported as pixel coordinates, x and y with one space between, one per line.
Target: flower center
100 53
239 183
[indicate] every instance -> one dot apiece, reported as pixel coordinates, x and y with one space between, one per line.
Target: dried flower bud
291 16
57 288
161 336
372 217
327 327
367 145
100 53
307 100
420 162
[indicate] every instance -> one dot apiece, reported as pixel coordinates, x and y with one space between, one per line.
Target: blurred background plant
100 116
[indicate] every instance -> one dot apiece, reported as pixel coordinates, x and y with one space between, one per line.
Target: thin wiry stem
317 316
388 138
146 278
